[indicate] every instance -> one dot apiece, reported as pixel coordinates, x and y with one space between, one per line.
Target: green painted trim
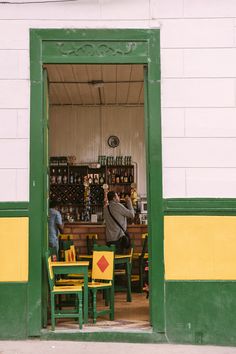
14 206
14 209
93 34
104 51
43 50
14 213
199 206
46 196
154 171
36 226
124 337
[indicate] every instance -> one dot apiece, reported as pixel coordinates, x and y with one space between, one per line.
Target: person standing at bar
55 226
120 213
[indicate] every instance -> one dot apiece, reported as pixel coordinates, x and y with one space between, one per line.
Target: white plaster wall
198 86
198 97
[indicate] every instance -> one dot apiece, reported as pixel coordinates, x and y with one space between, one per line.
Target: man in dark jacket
120 213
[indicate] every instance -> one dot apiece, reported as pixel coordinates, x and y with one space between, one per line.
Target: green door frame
112 46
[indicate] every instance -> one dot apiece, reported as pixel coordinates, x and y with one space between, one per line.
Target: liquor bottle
102 178
96 179
117 176
65 178
59 176
125 177
113 176
131 177
121 175
53 177
71 178
109 177
90 178
79 179
75 177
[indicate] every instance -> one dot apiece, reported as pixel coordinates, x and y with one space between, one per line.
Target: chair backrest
103 263
65 241
91 240
145 244
49 270
70 255
131 254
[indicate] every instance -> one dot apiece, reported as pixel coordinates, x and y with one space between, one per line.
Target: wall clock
113 141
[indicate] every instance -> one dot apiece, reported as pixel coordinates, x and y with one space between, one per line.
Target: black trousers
119 249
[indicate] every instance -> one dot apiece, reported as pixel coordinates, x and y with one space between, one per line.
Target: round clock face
113 141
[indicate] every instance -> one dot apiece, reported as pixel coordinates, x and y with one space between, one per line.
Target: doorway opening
94 46
97 133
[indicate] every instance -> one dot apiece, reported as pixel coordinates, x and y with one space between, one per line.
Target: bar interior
97 144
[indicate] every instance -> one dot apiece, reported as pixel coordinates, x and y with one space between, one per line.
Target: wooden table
119 259
80 267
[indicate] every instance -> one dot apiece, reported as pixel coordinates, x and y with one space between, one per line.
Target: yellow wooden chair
102 279
55 290
65 241
70 279
70 256
140 258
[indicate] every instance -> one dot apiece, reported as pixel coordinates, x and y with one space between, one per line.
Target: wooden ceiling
77 84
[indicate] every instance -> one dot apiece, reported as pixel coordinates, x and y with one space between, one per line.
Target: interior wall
83 132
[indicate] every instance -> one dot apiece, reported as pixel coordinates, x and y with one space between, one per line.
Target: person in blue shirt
55 226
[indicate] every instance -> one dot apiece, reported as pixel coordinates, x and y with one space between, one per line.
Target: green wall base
13 310
201 312
124 337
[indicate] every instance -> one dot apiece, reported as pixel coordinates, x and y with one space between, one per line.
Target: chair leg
94 306
141 276
128 278
107 297
80 300
53 311
111 303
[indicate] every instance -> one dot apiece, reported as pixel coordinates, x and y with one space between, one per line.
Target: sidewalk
65 347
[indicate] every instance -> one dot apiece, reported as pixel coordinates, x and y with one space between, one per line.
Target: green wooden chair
102 279
91 240
126 275
140 259
55 290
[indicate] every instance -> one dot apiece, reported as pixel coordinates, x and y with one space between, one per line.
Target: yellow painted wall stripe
200 247
14 250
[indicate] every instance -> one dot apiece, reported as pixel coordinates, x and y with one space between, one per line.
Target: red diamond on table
102 264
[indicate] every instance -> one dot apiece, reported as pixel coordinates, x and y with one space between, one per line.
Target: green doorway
95 47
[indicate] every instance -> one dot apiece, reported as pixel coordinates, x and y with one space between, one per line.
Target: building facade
189 49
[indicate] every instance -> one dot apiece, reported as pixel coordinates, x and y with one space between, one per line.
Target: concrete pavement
71 347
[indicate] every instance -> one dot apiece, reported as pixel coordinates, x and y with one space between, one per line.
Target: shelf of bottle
73 204
115 165
75 184
91 184
120 184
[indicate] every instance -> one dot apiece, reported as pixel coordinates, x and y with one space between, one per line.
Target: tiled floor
129 316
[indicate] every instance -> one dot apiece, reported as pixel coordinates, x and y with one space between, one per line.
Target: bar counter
79 230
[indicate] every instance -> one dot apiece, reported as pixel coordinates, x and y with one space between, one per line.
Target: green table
80 267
